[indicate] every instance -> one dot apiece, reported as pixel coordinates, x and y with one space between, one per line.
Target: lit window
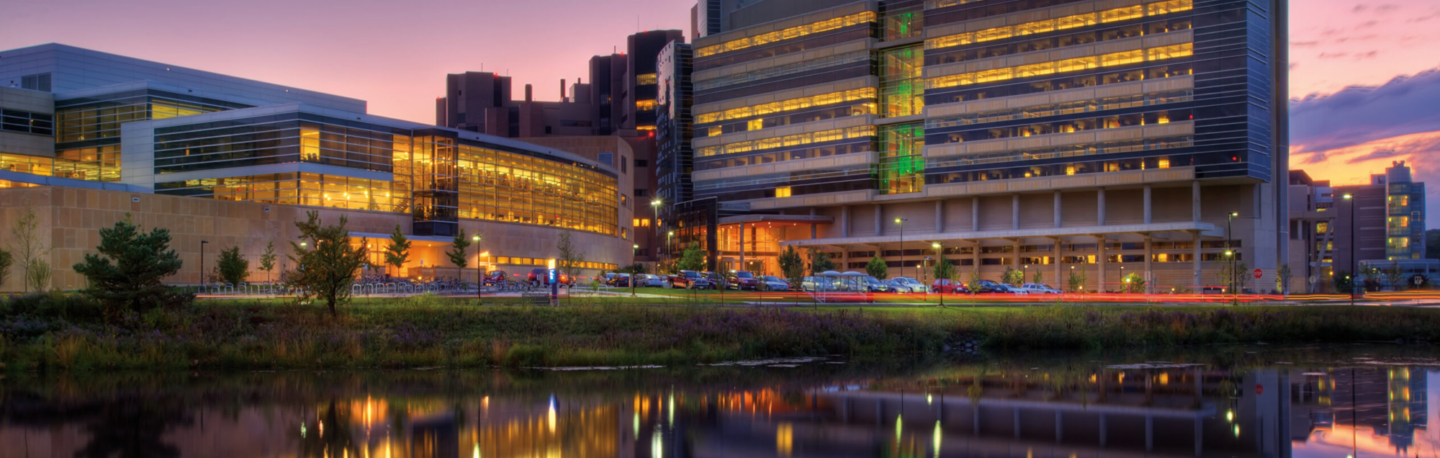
782 192
648 78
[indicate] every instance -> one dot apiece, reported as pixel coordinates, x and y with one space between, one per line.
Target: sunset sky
1364 77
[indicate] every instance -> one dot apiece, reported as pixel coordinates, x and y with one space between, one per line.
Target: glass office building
102 122
1094 131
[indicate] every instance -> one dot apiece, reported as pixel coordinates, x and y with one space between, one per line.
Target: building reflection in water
1171 411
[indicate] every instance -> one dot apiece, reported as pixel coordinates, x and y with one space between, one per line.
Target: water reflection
1347 405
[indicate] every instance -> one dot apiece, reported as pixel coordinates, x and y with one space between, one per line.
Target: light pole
1072 274
1353 264
655 233
901 222
940 258
1124 282
1024 273
202 262
479 270
1229 219
632 269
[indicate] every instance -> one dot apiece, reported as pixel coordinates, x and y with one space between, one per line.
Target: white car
650 280
907 285
1038 288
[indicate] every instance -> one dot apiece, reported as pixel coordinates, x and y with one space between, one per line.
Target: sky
1364 74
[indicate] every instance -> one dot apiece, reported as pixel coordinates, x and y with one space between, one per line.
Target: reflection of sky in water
1393 418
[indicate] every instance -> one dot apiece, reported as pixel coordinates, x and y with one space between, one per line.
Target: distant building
619 100
1388 226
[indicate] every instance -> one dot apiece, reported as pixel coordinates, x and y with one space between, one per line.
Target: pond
1371 400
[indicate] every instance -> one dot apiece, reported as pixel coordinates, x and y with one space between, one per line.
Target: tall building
1097 136
224 161
674 129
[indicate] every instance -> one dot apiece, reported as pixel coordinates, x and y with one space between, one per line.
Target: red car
948 287
496 276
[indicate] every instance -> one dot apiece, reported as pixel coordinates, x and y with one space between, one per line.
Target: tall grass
72 334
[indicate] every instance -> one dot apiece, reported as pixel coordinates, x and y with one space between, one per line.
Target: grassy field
69 333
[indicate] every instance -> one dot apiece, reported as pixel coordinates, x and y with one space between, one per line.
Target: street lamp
479 270
632 269
655 234
940 258
1072 274
1353 264
202 261
901 222
1229 220
1124 281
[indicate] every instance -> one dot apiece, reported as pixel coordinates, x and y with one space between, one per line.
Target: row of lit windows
646 79
101 163
26 164
93 122
1062 66
1068 151
783 155
937 4
788 140
788 119
645 105
782 70
503 186
1061 23
1089 36
787 34
27 122
641 222
1040 111
801 103
299 189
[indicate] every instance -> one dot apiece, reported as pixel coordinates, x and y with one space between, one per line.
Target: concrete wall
70 219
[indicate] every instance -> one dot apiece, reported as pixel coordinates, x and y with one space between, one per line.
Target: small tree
1038 278
1342 281
1076 280
974 283
457 251
877 268
1013 277
1282 279
570 258
820 262
398 252
267 260
6 259
1134 283
325 267
792 266
26 245
233 266
944 270
1395 276
127 272
691 259
37 275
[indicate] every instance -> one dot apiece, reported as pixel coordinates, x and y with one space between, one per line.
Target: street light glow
1347 196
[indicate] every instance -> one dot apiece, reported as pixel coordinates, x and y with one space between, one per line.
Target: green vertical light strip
902 165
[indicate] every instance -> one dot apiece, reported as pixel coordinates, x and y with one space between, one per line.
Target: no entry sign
1258 272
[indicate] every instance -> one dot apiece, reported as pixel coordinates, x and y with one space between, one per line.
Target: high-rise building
1101 137
619 101
224 161
674 129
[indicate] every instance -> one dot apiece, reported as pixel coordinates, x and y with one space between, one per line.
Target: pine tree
127 271
792 266
233 266
398 252
457 250
820 262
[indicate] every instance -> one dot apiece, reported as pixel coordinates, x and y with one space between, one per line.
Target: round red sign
1257 274
1259 389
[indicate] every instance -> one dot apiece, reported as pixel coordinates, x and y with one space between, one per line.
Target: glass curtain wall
902 167
902 86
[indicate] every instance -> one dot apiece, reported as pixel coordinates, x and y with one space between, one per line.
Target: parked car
742 281
987 286
537 274
649 280
944 286
1038 288
808 284
690 279
773 283
875 285
907 285
716 279
617 280
496 276
1008 289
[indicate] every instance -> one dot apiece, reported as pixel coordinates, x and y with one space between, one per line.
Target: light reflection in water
1077 410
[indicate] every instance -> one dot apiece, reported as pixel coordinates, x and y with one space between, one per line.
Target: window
782 192
642 163
623 165
607 159
641 193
